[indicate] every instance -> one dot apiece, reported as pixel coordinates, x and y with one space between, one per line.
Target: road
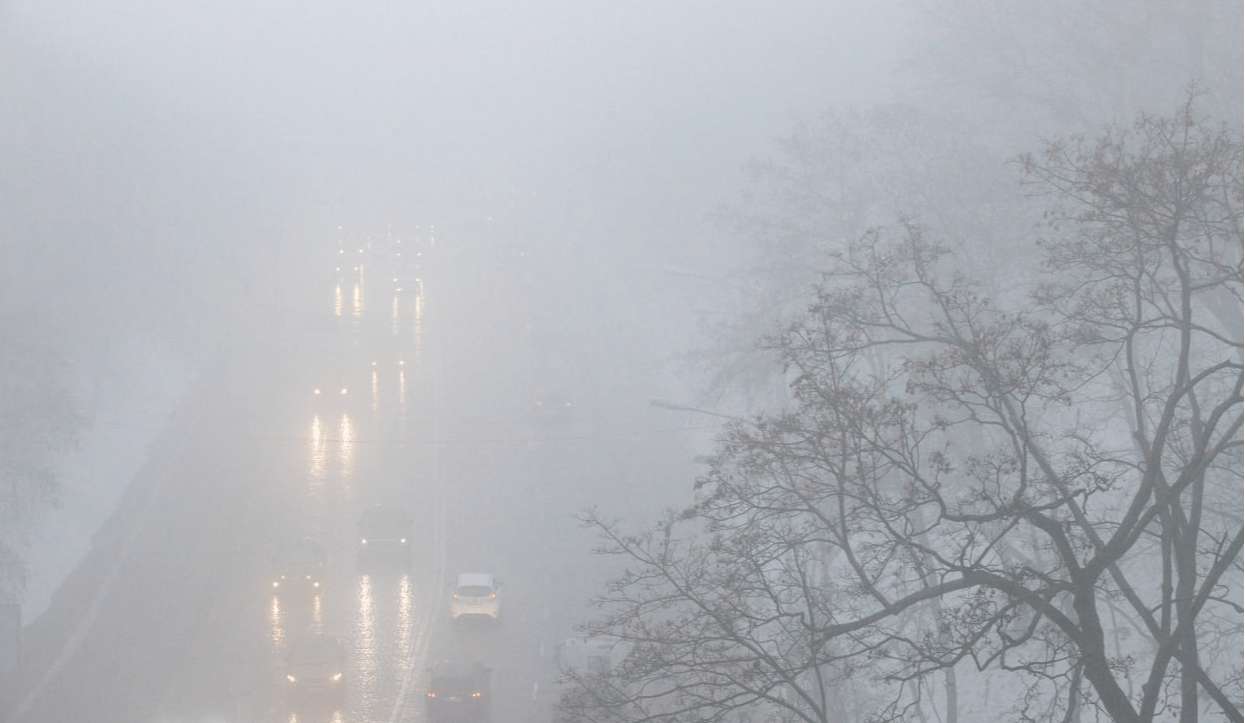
172 618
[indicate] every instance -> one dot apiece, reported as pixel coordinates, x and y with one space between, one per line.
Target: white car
476 594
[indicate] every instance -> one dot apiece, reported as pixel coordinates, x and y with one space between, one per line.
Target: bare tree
1039 489
1018 67
37 422
835 176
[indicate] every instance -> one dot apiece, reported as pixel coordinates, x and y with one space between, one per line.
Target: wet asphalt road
172 618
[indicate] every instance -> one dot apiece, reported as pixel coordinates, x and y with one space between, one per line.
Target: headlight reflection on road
417 338
375 390
276 623
347 449
337 300
402 391
365 634
357 308
318 449
406 621
317 473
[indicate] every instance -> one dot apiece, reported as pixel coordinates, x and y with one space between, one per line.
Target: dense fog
222 126
602 280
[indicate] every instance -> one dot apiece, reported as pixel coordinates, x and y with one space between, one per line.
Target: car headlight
337 677
290 677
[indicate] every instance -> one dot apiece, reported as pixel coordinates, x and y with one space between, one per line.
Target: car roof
315 645
449 669
475 578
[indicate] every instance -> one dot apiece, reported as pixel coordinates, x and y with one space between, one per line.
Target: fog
184 136
571 223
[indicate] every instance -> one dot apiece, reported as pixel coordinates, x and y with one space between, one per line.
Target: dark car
348 261
458 693
316 668
388 357
553 403
407 285
332 388
300 571
385 532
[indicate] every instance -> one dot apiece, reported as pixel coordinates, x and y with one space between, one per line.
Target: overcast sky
388 99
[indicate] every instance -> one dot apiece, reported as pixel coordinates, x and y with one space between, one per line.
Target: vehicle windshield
384 521
475 591
453 686
458 680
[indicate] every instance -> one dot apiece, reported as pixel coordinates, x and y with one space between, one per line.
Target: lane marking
418 652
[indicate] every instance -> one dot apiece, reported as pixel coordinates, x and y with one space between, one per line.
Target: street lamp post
680 407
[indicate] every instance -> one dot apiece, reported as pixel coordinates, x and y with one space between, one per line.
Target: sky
651 103
188 145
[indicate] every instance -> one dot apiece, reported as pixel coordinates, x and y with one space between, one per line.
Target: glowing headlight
291 678
337 677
